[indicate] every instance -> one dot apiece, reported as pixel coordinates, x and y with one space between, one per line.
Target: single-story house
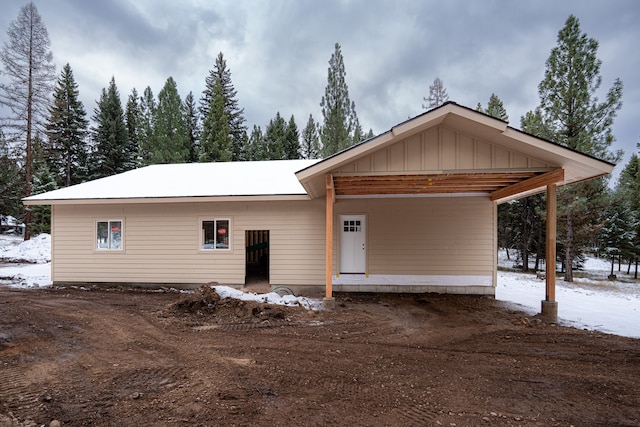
411 210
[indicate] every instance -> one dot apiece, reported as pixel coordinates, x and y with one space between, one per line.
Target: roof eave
150 200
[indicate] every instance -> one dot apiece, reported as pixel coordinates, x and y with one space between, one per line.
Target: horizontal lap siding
296 242
426 236
162 243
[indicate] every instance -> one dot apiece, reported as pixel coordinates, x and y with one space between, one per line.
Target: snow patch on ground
26 275
607 306
35 250
28 263
269 298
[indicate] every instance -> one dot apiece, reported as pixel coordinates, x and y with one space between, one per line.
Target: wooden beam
427 184
550 276
508 176
545 179
415 190
329 236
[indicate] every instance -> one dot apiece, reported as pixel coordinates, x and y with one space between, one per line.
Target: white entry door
352 244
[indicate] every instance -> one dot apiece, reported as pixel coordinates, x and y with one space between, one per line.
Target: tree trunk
568 274
635 275
28 160
526 234
68 180
613 262
541 248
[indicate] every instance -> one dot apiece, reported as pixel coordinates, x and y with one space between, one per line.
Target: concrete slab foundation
329 303
550 310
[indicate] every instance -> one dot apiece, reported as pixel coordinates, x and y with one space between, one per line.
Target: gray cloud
278 51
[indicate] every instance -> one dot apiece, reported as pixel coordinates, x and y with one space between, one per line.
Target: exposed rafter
428 184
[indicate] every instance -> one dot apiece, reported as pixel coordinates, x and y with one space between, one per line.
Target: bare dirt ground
132 358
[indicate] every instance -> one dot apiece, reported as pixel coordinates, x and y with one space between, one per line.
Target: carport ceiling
445 183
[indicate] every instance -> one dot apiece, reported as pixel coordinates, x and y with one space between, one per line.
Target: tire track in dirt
20 395
149 380
247 326
417 415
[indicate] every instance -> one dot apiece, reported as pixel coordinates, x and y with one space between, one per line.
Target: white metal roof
188 180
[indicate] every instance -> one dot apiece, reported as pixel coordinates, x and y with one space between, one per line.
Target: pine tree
291 146
369 134
43 180
338 111
628 191
628 187
190 117
256 149
133 119
358 133
571 110
310 140
495 108
11 181
275 136
533 123
111 155
170 140
28 65
145 127
216 144
218 84
618 231
67 129
506 222
437 95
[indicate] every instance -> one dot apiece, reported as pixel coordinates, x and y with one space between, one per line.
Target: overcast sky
278 51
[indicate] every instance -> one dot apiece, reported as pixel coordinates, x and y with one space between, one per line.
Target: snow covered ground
25 264
36 250
591 302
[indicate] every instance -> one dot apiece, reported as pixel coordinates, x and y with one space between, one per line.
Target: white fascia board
162 200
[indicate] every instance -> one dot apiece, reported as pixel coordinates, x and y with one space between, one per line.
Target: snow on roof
259 178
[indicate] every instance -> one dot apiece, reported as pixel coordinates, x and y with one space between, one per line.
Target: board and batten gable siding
161 243
428 236
441 148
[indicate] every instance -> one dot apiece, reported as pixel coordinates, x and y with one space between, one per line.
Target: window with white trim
109 235
215 234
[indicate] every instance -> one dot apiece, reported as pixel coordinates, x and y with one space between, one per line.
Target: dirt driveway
132 358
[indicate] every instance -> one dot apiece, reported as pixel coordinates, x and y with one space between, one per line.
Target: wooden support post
552 210
329 237
549 305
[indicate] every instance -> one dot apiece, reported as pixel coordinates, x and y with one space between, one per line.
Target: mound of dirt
203 300
204 303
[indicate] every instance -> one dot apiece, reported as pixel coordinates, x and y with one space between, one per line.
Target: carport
450 152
